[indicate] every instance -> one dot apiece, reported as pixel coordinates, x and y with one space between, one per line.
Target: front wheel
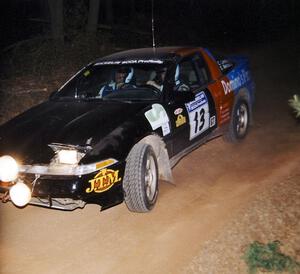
140 182
239 122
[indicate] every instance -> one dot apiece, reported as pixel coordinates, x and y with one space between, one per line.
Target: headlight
20 194
70 157
68 154
8 169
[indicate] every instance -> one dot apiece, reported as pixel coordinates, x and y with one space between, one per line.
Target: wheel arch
162 156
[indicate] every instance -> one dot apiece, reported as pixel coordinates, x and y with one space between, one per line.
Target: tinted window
114 81
186 74
225 64
203 71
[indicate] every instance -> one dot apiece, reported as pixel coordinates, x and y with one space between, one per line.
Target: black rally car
119 125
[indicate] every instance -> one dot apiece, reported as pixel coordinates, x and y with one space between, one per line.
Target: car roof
147 55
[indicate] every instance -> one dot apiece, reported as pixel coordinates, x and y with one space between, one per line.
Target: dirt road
212 184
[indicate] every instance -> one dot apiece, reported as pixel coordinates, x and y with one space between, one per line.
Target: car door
191 119
201 111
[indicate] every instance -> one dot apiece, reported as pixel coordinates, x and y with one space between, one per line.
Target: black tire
140 182
239 122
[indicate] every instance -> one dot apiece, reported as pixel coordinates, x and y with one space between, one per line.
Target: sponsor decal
200 100
129 62
180 120
158 117
225 114
103 181
236 81
178 111
105 163
226 87
87 73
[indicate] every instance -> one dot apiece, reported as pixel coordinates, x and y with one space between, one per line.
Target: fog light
8 169
20 194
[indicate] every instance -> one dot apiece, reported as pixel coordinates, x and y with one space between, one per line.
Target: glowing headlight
8 168
67 156
20 194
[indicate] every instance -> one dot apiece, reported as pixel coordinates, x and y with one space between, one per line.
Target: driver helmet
128 71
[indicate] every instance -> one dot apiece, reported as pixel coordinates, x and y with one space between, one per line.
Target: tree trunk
56 14
93 16
109 12
44 10
132 12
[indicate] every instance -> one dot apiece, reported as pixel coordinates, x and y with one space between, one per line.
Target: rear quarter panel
240 77
229 86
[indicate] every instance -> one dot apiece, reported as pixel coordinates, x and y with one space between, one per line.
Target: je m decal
103 181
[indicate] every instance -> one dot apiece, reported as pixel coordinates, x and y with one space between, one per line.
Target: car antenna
152 22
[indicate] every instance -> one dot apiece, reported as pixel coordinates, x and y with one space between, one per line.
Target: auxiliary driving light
8 169
20 194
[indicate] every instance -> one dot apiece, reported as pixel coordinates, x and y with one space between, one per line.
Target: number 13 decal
199 120
198 111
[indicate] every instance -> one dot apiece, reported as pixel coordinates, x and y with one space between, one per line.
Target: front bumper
68 192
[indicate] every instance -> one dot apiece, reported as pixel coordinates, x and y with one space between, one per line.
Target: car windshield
116 82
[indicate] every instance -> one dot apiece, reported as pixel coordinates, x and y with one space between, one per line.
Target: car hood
27 136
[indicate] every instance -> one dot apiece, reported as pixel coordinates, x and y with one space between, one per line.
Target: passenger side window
203 71
186 75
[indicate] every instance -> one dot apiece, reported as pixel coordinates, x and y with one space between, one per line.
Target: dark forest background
45 36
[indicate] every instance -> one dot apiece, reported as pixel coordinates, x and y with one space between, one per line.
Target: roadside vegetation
295 104
268 258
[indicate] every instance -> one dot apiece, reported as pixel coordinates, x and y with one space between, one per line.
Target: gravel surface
273 215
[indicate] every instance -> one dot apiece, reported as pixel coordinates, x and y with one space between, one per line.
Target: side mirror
183 96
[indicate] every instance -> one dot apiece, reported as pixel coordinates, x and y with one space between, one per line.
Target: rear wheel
239 122
140 182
